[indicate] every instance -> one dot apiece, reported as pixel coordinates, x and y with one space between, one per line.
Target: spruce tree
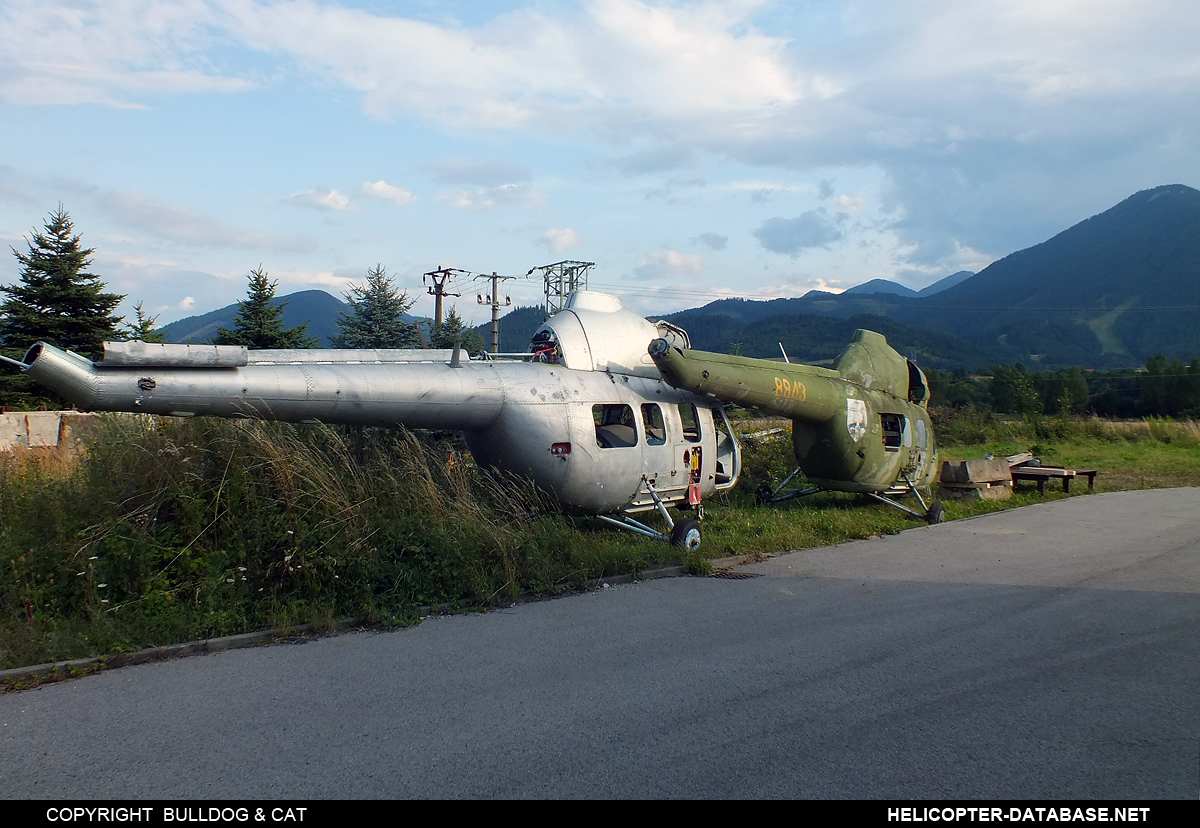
377 314
143 329
259 320
452 330
57 300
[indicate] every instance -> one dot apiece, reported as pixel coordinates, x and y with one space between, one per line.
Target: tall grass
170 530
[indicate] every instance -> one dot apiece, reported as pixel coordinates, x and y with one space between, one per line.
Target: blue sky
691 150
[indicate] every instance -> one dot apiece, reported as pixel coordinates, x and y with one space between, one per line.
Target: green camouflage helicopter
860 427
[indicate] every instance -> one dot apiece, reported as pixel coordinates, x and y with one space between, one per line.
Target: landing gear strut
765 494
685 532
934 512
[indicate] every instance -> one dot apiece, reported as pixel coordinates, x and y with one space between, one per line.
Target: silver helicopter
585 413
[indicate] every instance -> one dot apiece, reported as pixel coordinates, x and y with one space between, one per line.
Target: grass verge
170 530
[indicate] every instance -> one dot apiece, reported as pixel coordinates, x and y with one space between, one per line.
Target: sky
693 151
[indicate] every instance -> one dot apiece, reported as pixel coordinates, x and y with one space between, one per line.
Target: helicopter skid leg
766 494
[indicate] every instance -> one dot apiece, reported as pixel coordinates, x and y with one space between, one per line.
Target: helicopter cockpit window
544 347
917 391
615 427
893 431
691 422
652 421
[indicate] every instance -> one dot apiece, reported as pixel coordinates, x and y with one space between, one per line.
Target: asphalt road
1047 652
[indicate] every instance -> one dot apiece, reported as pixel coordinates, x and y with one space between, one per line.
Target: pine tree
377 318
143 328
453 330
259 320
57 300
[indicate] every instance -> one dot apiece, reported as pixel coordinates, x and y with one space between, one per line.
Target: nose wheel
686 534
936 514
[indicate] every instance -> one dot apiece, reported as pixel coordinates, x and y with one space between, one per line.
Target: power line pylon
437 290
561 280
496 305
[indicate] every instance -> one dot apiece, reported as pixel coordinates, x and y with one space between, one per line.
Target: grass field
169 530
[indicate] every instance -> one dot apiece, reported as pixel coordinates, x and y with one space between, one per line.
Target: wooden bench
1040 474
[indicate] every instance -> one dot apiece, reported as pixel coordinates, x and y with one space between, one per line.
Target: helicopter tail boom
351 388
801 392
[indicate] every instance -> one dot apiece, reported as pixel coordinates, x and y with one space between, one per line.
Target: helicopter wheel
936 514
686 534
763 494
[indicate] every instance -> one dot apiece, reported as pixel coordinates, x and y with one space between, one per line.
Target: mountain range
1110 291
316 307
886 286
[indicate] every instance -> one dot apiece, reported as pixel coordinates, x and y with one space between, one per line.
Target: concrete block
43 428
976 471
13 433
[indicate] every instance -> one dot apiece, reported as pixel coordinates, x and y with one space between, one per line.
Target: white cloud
826 287
848 204
559 240
993 123
185 304
489 198
521 67
388 192
663 264
106 53
526 65
322 199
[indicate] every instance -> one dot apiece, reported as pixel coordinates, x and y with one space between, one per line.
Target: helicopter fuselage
588 418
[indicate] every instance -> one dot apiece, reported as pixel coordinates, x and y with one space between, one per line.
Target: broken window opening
893 431
691 422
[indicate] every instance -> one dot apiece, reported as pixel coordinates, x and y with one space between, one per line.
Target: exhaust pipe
65 373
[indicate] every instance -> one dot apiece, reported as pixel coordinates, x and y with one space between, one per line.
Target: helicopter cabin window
652 420
691 422
893 430
615 426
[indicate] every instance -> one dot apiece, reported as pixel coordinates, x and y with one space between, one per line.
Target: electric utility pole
496 305
561 280
437 289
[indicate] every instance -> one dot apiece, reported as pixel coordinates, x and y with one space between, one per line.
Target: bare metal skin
585 415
